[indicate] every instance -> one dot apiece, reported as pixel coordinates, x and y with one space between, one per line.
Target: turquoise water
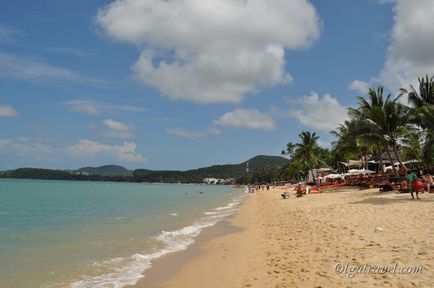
99 234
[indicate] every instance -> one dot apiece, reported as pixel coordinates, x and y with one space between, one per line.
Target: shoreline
297 242
168 266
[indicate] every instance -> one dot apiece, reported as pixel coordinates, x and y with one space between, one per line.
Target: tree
306 152
356 138
422 113
412 146
385 119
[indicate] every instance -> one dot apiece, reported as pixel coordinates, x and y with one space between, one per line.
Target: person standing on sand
318 184
410 180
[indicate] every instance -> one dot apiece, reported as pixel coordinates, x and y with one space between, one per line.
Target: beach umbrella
360 171
334 176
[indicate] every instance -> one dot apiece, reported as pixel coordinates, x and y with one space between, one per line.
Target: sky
191 83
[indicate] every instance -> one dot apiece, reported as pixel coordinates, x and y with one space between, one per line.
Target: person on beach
299 191
318 184
411 177
428 182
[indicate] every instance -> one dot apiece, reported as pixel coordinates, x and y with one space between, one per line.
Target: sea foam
131 270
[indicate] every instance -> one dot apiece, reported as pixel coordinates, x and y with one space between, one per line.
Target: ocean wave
130 271
229 206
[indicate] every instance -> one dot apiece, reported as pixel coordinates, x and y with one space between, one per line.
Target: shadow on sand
378 200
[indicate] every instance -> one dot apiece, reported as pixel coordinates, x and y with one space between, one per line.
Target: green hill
262 164
106 170
257 163
36 173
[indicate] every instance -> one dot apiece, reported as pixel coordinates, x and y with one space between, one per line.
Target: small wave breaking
130 270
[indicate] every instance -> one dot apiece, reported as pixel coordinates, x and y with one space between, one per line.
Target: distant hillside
216 171
106 170
36 173
264 161
261 164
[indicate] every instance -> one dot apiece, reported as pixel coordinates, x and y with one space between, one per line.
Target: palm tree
424 96
422 113
307 150
355 139
411 145
384 118
346 141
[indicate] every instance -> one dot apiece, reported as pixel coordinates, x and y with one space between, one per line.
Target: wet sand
301 242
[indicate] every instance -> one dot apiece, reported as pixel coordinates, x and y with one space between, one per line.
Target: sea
100 234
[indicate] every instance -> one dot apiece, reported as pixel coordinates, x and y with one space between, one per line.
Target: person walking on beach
411 177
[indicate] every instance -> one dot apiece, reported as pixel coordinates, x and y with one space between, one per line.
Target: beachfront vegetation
261 169
379 124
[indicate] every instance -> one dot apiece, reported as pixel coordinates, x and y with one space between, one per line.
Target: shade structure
360 171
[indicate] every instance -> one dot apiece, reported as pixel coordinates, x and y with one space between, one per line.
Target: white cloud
386 1
246 118
94 108
8 111
69 51
26 147
324 144
87 148
359 86
115 125
85 107
192 134
211 51
8 34
19 67
323 114
410 54
118 129
44 150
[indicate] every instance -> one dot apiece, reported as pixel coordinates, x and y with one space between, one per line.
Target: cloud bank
323 114
409 54
87 148
246 118
118 129
8 111
192 134
211 51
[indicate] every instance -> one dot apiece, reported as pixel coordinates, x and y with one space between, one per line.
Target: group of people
412 185
251 189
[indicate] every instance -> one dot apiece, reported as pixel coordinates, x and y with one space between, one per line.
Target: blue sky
185 84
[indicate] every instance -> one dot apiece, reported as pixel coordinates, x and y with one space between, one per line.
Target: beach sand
298 242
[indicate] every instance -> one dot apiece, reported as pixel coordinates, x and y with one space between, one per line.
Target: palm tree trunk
381 156
365 158
397 156
390 159
311 171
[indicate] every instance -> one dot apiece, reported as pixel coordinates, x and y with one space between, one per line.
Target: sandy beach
313 241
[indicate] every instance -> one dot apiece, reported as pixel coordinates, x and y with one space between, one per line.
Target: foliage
257 165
